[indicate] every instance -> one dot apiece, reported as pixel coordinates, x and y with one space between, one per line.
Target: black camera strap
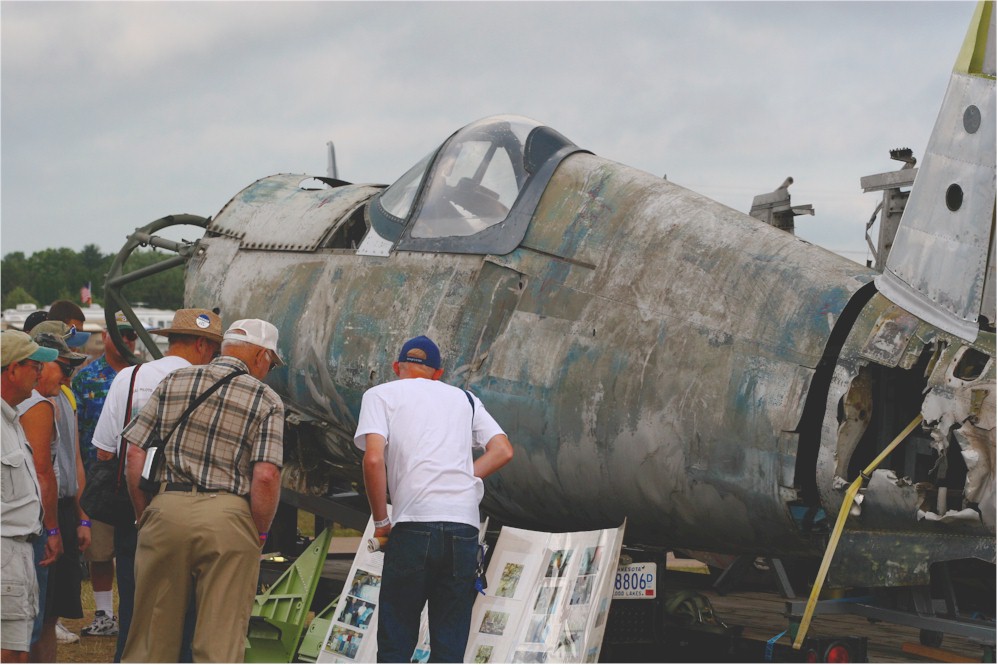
199 401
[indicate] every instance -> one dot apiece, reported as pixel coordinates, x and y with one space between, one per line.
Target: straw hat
201 322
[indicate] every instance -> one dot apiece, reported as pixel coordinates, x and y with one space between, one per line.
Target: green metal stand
311 644
279 614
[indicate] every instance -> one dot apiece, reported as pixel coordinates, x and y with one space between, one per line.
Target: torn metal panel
961 405
891 367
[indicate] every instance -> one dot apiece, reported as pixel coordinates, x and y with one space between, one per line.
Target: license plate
635 581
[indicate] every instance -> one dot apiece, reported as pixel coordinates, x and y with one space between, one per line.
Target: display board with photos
547 601
353 633
548 597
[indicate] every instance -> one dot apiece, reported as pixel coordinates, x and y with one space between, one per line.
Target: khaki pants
206 544
101 548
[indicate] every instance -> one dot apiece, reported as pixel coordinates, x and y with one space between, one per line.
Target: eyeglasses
67 369
128 334
33 364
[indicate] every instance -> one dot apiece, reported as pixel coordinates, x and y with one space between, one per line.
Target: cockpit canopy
476 192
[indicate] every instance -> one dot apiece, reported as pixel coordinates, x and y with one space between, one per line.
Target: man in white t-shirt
195 338
423 431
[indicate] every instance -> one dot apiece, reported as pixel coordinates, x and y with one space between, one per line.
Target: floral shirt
90 385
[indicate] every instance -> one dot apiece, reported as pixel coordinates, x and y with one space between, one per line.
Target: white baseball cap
255 331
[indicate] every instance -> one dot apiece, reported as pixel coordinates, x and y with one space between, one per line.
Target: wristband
52 532
264 535
384 522
85 523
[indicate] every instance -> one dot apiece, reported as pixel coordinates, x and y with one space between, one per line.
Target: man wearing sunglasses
195 336
21 510
219 485
90 386
49 423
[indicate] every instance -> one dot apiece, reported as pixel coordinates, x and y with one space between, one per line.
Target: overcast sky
115 114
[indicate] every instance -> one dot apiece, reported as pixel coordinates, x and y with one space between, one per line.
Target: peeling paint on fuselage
612 380
648 351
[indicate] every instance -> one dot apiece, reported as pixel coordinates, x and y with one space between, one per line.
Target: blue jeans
427 562
125 543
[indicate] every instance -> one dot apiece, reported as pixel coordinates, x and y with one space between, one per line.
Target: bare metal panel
275 213
938 265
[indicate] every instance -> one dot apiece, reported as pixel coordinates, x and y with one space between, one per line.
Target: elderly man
49 422
21 508
194 339
90 386
219 487
423 431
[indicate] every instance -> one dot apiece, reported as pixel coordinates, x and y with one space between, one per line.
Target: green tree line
58 274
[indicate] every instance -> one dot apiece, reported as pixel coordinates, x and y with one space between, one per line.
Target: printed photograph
601 615
344 642
590 560
547 600
421 654
583 590
357 612
558 563
538 630
510 578
494 623
569 645
483 654
365 585
530 657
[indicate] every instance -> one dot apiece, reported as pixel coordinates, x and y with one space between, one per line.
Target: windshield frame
538 151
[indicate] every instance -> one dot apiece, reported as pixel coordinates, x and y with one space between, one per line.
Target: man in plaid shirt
219 488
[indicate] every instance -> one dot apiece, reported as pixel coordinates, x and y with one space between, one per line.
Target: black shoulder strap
471 402
200 400
123 445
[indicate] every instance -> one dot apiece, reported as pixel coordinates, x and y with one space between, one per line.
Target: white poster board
548 597
353 632
547 601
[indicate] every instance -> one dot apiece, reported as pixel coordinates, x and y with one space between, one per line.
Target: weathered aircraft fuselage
652 354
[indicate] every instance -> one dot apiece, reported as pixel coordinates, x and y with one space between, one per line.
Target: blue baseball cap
74 338
422 351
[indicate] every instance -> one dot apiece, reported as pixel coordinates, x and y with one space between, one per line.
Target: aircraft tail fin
941 267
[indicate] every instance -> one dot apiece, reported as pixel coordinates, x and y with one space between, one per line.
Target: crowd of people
200 439
64 411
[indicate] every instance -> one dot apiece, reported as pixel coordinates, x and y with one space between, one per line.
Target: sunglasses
128 334
67 369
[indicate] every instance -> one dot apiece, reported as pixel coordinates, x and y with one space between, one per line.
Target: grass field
88 649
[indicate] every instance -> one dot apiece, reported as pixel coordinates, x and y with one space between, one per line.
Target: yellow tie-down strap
833 542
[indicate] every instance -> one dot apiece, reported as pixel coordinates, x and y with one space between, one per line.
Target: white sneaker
64 635
102 625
